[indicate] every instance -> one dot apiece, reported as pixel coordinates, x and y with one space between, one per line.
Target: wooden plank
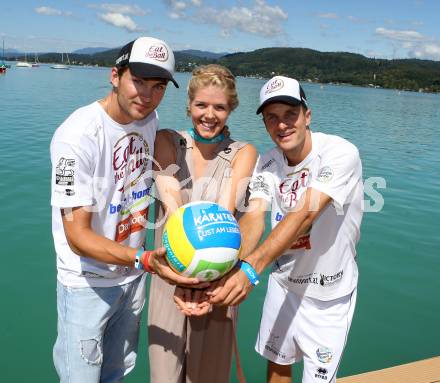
423 371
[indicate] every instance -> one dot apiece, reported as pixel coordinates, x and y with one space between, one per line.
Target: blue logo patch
210 225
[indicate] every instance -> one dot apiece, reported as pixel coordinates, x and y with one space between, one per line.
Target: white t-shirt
322 263
99 163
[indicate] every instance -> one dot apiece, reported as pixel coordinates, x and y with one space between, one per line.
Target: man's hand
232 289
160 266
192 302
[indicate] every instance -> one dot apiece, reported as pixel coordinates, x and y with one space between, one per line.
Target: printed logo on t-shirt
65 172
129 202
133 223
292 187
131 156
259 184
327 280
325 174
302 242
316 278
267 164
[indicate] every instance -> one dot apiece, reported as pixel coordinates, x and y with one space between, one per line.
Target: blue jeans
98 331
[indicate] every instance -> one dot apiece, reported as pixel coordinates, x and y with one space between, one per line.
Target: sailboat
3 66
23 64
36 62
62 65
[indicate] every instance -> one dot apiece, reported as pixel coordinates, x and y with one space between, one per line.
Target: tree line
301 63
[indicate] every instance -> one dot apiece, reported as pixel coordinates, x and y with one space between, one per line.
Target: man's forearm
87 243
287 232
252 229
276 243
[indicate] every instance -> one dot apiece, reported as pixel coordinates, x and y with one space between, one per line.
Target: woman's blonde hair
213 74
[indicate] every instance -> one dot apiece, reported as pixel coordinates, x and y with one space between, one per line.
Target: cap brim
144 70
283 99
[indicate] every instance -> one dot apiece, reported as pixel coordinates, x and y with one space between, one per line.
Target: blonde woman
211 166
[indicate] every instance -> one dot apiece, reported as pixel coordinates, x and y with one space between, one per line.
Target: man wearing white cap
313 185
101 185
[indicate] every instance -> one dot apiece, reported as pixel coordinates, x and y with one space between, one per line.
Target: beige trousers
187 349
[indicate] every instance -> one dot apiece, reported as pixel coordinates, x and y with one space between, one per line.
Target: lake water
397 316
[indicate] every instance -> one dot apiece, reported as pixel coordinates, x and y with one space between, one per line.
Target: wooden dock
423 371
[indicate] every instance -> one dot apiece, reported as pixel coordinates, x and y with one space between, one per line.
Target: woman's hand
192 302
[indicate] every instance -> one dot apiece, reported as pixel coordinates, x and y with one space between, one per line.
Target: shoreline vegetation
306 65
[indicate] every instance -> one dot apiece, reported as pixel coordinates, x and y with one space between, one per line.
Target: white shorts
293 328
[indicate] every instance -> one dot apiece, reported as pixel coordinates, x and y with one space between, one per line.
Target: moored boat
36 62
62 65
3 66
23 64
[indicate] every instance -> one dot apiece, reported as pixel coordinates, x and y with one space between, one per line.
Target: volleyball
202 240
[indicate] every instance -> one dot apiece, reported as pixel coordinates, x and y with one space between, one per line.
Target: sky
374 28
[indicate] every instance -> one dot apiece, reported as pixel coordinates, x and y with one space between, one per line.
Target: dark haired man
313 185
101 186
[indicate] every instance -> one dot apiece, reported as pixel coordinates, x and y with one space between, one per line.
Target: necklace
197 137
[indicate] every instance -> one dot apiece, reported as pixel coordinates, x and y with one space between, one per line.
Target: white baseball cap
148 57
282 89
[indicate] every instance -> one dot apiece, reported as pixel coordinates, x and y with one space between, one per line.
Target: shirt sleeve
72 175
261 185
339 172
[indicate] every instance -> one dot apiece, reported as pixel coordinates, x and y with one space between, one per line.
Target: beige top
208 187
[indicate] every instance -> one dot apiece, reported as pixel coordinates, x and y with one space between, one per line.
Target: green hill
303 64
337 67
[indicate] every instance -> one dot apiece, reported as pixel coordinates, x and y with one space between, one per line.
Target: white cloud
259 19
119 20
428 50
118 15
328 16
120 8
399 35
416 44
177 8
262 19
180 5
48 11
175 15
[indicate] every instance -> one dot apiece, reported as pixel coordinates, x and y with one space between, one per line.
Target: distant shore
420 76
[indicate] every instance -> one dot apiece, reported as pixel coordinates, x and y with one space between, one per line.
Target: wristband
145 257
137 259
250 273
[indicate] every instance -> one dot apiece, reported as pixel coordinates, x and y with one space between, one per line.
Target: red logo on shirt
130 159
292 187
302 243
133 223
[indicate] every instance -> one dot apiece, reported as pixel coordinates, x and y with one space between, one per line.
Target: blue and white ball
202 240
